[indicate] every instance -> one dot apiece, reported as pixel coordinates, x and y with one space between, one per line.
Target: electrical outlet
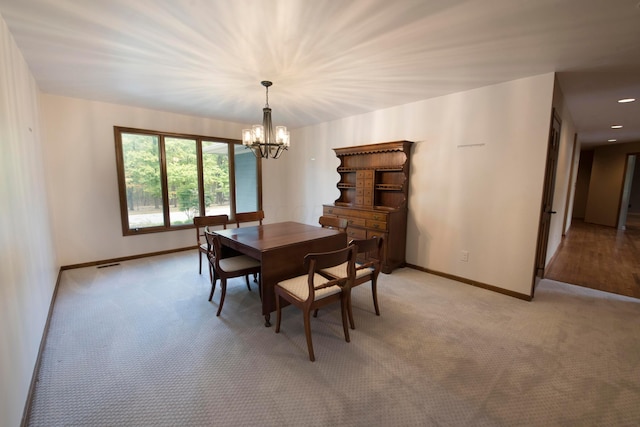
464 256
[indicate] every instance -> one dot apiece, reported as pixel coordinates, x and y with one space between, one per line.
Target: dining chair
256 216
337 223
227 268
207 221
370 251
313 290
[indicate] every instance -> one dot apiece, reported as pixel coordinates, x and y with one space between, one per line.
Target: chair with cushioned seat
227 268
369 270
312 290
207 221
256 216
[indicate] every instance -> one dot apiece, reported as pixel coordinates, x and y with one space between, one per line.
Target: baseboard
36 368
473 283
127 258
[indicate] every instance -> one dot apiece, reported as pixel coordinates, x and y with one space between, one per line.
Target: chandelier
261 139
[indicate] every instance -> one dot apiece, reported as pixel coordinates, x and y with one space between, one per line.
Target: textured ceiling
331 58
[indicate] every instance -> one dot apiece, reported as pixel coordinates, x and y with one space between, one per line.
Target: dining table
281 248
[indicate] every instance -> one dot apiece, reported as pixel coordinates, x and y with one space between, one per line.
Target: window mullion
232 179
164 183
200 162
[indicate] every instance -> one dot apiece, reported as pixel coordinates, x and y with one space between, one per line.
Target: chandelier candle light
261 139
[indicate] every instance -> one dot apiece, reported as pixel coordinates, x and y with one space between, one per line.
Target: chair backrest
371 249
214 249
321 260
334 222
249 217
208 221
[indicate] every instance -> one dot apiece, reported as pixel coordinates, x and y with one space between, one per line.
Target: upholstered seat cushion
341 271
238 263
299 286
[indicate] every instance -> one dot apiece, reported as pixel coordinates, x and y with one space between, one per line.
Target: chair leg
344 303
213 288
255 277
278 313
374 291
307 331
213 279
200 265
315 313
247 279
223 285
349 310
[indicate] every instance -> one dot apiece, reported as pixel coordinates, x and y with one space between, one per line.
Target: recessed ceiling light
616 127
611 140
625 100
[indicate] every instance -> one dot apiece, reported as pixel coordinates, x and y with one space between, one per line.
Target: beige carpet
138 344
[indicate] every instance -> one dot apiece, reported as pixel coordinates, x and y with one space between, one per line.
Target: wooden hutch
374 187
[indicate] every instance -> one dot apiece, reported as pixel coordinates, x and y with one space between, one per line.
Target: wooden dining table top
281 248
276 235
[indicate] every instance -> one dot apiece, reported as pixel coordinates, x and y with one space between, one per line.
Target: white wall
484 199
28 266
82 179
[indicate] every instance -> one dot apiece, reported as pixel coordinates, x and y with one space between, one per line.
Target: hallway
600 257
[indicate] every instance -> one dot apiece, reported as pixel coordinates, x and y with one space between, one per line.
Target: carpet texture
138 344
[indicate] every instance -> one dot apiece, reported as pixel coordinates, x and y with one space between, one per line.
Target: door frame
570 187
625 192
546 208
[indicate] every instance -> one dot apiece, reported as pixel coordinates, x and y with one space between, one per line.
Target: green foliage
142 169
142 172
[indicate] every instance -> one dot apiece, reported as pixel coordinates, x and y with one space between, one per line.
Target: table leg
267 318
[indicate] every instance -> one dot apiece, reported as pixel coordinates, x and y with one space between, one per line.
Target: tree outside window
167 179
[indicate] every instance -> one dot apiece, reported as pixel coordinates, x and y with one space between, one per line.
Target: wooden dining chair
207 221
312 290
227 268
337 223
370 251
256 216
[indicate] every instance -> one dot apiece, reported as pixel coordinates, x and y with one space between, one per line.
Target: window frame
233 144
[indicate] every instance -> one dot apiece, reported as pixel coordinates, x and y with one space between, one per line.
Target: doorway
603 257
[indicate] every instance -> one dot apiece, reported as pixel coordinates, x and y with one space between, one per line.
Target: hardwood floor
600 257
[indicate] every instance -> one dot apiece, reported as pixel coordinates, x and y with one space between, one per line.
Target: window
166 179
